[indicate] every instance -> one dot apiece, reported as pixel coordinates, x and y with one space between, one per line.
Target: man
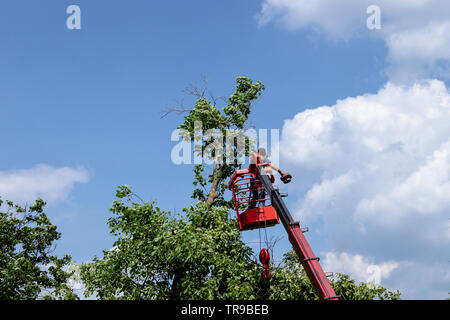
258 192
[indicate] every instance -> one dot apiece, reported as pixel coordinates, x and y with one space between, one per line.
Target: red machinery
249 187
243 184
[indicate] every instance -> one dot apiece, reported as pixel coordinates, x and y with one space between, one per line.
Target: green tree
28 271
158 255
199 254
195 255
231 118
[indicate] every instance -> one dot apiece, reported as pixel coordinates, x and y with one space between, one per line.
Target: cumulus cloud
416 32
417 279
374 172
44 181
421 279
360 268
335 19
418 52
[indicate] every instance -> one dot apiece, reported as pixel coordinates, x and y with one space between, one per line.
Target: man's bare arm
277 169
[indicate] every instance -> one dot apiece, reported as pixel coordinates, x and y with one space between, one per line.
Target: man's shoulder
256 158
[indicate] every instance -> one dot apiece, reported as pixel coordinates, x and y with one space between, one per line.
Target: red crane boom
258 217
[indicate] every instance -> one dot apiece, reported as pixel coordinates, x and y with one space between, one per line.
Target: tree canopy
28 270
222 121
195 255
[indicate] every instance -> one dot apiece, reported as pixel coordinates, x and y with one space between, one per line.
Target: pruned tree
218 124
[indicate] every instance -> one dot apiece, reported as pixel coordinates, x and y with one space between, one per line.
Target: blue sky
91 99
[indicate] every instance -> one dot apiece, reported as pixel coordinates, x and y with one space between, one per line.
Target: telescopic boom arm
301 246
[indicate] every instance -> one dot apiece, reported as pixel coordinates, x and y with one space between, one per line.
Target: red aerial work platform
249 187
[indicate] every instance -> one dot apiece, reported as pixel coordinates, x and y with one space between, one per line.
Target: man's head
262 152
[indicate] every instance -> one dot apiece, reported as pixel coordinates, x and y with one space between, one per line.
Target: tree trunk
217 178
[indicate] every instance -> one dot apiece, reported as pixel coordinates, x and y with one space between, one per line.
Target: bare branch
198 92
214 99
179 108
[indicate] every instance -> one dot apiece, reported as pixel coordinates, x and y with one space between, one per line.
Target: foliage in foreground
197 255
28 271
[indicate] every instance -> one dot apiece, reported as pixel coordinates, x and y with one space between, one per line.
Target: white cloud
335 19
360 268
416 32
421 279
415 279
375 171
422 51
424 192
49 183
